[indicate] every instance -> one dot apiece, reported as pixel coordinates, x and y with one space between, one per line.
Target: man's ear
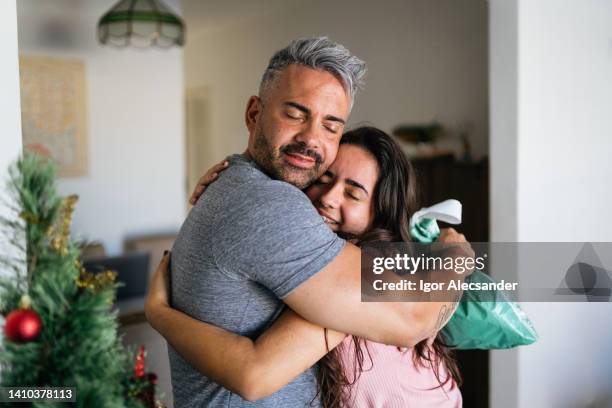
251 115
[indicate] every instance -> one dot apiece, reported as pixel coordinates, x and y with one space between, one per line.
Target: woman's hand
451 235
452 244
456 243
210 176
157 295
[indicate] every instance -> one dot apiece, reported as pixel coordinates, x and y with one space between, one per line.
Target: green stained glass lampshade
141 23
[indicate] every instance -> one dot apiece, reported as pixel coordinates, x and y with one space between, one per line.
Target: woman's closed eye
356 196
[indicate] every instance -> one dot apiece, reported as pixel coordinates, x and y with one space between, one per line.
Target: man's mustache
303 150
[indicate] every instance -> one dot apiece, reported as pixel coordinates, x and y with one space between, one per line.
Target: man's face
295 130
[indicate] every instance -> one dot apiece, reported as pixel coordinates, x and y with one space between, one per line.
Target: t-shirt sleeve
274 237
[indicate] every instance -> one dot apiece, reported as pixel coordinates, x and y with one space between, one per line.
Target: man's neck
248 155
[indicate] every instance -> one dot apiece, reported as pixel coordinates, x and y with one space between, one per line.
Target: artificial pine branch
78 345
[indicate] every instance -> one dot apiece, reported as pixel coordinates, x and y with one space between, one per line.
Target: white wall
426 60
561 137
10 115
10 111
135 181
565 100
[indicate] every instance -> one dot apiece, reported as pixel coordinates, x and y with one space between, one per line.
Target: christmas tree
59 329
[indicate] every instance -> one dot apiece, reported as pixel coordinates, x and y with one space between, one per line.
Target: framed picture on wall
54 111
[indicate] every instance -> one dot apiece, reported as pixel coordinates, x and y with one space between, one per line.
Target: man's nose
310 135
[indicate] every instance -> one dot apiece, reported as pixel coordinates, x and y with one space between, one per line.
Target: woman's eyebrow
358 185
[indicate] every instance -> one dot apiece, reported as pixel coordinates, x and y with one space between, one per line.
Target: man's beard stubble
272 162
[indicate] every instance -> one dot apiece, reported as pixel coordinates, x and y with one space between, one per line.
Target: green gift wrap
476 324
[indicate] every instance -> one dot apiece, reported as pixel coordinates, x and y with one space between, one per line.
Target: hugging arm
332 297
252 369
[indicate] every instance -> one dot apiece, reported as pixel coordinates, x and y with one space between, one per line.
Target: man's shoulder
243 180
275 191
248 199
269 200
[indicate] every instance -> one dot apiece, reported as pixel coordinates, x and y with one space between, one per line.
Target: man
254 242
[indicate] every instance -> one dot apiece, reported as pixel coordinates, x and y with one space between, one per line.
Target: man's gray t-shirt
248 242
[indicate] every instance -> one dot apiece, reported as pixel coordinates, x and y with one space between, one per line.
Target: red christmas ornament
140 362
22 325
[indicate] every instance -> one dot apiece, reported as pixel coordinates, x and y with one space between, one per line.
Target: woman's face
343 194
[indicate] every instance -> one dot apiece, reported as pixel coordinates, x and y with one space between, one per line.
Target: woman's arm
252 369
207 179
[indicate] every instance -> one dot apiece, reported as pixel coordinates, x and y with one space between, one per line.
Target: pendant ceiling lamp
141 23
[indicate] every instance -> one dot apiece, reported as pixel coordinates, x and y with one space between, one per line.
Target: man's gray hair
317 53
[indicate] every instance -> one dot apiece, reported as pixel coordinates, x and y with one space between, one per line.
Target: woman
366 195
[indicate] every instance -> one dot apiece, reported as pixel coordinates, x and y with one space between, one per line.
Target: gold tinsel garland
60 232
29 217
59 238
94 281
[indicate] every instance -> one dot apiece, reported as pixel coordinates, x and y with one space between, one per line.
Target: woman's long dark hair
394 202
